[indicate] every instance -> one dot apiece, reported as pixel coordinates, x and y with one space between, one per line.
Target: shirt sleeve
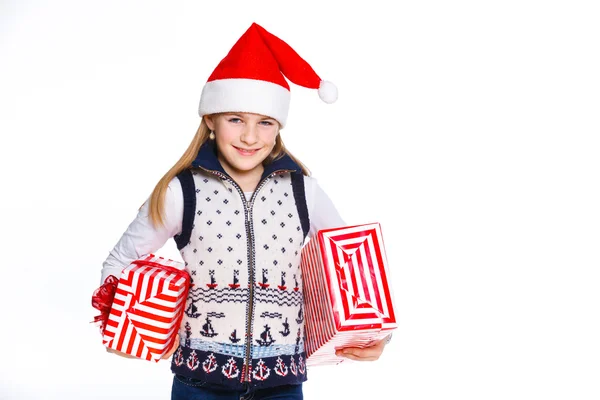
141 237
321 210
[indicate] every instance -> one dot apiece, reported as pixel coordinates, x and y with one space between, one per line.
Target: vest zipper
250 234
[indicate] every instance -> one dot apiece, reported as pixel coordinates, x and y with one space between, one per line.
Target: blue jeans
185 388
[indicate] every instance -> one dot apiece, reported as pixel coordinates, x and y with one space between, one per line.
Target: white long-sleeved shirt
141 237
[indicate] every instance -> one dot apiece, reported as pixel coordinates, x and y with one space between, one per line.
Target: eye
234 120
266 123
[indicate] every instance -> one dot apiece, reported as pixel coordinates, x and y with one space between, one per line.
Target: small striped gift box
347 295
147 308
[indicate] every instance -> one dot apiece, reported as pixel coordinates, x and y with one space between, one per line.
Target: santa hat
251 78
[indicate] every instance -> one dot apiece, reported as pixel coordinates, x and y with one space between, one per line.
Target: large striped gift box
348 299
148 307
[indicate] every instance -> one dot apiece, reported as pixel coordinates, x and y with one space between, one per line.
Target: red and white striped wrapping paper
148 307
347 295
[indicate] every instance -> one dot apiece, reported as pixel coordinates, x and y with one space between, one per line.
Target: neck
247 183
247 180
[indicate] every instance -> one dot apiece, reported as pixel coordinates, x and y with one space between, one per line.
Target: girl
240 207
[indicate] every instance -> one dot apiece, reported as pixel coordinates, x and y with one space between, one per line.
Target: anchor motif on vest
210 364
301 365
230 369
280 368
261 372
192 361
178 359
293 367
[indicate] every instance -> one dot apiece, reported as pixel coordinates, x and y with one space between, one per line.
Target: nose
250 134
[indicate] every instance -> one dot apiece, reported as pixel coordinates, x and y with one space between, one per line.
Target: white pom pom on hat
328 92
252 78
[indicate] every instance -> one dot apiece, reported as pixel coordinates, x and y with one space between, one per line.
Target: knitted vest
243 320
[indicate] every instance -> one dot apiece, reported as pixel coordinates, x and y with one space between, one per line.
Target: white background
468 129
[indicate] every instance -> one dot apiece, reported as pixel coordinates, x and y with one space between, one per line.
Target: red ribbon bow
102 300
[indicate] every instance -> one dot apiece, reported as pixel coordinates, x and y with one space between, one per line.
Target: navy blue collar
207 159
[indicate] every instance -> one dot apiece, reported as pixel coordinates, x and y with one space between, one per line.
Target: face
243 141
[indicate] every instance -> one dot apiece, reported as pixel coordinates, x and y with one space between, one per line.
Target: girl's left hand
371 353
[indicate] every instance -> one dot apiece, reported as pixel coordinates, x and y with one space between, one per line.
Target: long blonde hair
157 198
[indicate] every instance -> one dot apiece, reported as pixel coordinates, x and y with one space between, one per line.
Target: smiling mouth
246 152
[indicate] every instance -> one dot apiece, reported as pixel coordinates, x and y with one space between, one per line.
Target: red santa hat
251 78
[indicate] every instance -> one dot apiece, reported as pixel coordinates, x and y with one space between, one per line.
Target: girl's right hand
119 353
173 349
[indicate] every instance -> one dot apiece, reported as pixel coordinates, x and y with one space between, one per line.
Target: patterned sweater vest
243 320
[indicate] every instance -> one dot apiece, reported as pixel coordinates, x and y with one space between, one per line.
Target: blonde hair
157 198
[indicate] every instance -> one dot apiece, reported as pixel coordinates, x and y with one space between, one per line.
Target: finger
357 358
119 353
366 353
173 348
170 353
175 342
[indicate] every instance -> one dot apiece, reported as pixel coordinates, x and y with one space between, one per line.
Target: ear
208 119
